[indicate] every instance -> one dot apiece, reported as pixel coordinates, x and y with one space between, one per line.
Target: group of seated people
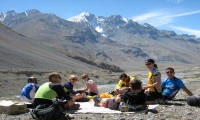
44 94
129 90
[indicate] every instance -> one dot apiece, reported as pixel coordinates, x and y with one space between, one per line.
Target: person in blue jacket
28 92
172 85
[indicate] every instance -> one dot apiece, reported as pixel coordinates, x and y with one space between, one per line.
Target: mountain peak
85 17
118 18
11 12
33 11
3 15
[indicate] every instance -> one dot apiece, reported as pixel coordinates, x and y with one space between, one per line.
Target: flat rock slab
12 108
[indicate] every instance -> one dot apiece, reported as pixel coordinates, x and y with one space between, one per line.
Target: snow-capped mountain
107 26
85 17
100 24
8 14
119 39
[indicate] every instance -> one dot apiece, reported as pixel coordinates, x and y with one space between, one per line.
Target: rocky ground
178 110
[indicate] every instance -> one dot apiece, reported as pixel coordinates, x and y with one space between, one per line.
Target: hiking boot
97 100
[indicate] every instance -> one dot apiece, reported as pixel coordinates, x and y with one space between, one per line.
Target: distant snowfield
98 29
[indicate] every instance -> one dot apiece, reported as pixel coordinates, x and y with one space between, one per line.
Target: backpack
124 107
53 112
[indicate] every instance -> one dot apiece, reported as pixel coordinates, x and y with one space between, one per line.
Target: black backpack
53 112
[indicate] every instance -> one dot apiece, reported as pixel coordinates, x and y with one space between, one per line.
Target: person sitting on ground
193 100
50 90
172 85
128 80
69 88
153 87
135 96
28 92
121 86
90 86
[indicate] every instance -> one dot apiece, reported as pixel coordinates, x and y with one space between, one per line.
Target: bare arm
187 91
158 82
87 86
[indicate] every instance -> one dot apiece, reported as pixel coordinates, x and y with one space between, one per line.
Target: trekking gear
124 107
106 95
127 106
193 100
53 112
97 100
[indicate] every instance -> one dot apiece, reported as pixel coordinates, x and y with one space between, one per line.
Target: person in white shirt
90 86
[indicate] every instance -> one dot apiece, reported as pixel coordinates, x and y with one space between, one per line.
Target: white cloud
161 18
186 13
187 30
154 18
147 16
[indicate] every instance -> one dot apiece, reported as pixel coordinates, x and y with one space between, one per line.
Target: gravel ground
175 110
165 112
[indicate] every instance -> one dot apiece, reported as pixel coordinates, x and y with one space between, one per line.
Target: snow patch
80 18
85 17
126 20
104 35
26 13
98 29
3 16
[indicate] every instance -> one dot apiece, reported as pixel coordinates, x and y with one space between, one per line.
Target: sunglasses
148 64
169 72
75 79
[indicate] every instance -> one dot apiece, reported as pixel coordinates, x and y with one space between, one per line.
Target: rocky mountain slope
113 40
18 51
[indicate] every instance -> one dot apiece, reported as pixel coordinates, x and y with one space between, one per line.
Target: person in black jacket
135 96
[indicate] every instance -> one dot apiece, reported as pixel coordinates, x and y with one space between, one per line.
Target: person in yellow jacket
123 83
153 87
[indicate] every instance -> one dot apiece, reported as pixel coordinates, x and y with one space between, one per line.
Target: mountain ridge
118 41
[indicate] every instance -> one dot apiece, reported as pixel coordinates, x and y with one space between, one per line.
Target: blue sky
181 16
